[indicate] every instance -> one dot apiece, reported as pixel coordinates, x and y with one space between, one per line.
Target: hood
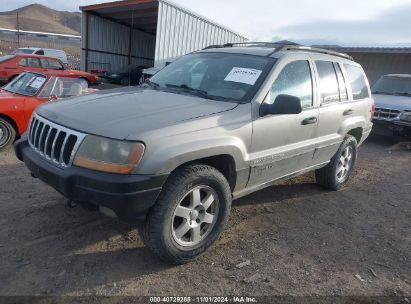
122 112
392 102
5 95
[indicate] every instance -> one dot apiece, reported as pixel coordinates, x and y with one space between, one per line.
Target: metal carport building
144 32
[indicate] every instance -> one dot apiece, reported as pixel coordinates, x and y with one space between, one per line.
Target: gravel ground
298 238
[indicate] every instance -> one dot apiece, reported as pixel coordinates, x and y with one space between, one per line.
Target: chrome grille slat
386 114
46 141
62 149
46 136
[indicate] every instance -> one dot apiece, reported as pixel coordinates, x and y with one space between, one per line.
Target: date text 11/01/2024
203 299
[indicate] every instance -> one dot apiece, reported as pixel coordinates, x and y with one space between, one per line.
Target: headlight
108 155
406 116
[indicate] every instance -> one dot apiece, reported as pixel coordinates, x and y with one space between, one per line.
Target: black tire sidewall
12 133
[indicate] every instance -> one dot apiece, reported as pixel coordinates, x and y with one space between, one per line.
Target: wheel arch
224 163
357 133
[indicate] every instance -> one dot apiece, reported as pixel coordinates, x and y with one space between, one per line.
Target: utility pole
18 30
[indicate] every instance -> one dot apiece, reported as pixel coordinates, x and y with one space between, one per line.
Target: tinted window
328 86
23 62
41 52
23 51
33 62
294 79
357 81
393 85
51 64
341 83
221 76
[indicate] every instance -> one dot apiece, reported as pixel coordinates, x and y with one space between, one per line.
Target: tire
7 134
174 213
84 82
336 174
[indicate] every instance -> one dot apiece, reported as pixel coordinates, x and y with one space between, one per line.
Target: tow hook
71 204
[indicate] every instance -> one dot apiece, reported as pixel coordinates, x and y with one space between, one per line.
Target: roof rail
251 44
282 46
314 50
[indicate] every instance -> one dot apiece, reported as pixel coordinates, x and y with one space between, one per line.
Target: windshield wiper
188 89
151 84
402 93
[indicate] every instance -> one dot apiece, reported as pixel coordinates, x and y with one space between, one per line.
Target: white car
59 54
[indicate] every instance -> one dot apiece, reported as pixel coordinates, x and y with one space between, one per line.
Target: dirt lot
299 238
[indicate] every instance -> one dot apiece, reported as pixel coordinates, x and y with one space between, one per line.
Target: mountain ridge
40 18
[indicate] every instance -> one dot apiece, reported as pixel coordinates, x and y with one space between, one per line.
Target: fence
10 42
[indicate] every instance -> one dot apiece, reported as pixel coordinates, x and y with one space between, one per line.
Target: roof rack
314 50
252 44
282 46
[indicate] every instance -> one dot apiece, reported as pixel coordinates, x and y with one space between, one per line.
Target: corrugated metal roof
144 13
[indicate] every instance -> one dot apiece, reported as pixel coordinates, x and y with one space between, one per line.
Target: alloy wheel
195 216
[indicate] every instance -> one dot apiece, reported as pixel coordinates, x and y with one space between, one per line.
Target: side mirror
283 104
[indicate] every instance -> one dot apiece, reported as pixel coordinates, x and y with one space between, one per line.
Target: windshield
393 85
218 76
26 84
23 51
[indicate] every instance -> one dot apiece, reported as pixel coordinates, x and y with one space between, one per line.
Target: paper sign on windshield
243 75
37 83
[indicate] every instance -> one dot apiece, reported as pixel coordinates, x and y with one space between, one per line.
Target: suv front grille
55 143
386 114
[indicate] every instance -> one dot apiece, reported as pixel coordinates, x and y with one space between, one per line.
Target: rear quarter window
357 80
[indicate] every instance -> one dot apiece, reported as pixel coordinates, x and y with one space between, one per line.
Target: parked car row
20 97
13 65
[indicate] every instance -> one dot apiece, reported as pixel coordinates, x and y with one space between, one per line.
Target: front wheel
338 171
7 134
189 215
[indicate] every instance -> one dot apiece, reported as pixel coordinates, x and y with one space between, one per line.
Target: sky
342 22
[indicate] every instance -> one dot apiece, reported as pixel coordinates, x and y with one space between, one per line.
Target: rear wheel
338 171
7 134
189 215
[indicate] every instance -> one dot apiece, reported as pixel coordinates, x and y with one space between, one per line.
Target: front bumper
130 197
397 128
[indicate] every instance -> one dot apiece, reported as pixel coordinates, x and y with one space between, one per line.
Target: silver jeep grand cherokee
211 127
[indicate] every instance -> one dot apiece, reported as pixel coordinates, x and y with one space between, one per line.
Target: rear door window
357 81
40 52
51 64
328 86
33 63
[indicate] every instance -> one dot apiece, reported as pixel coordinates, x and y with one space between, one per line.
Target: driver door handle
348 112
309 121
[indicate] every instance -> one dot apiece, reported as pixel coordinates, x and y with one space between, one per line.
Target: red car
20 97
15 64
